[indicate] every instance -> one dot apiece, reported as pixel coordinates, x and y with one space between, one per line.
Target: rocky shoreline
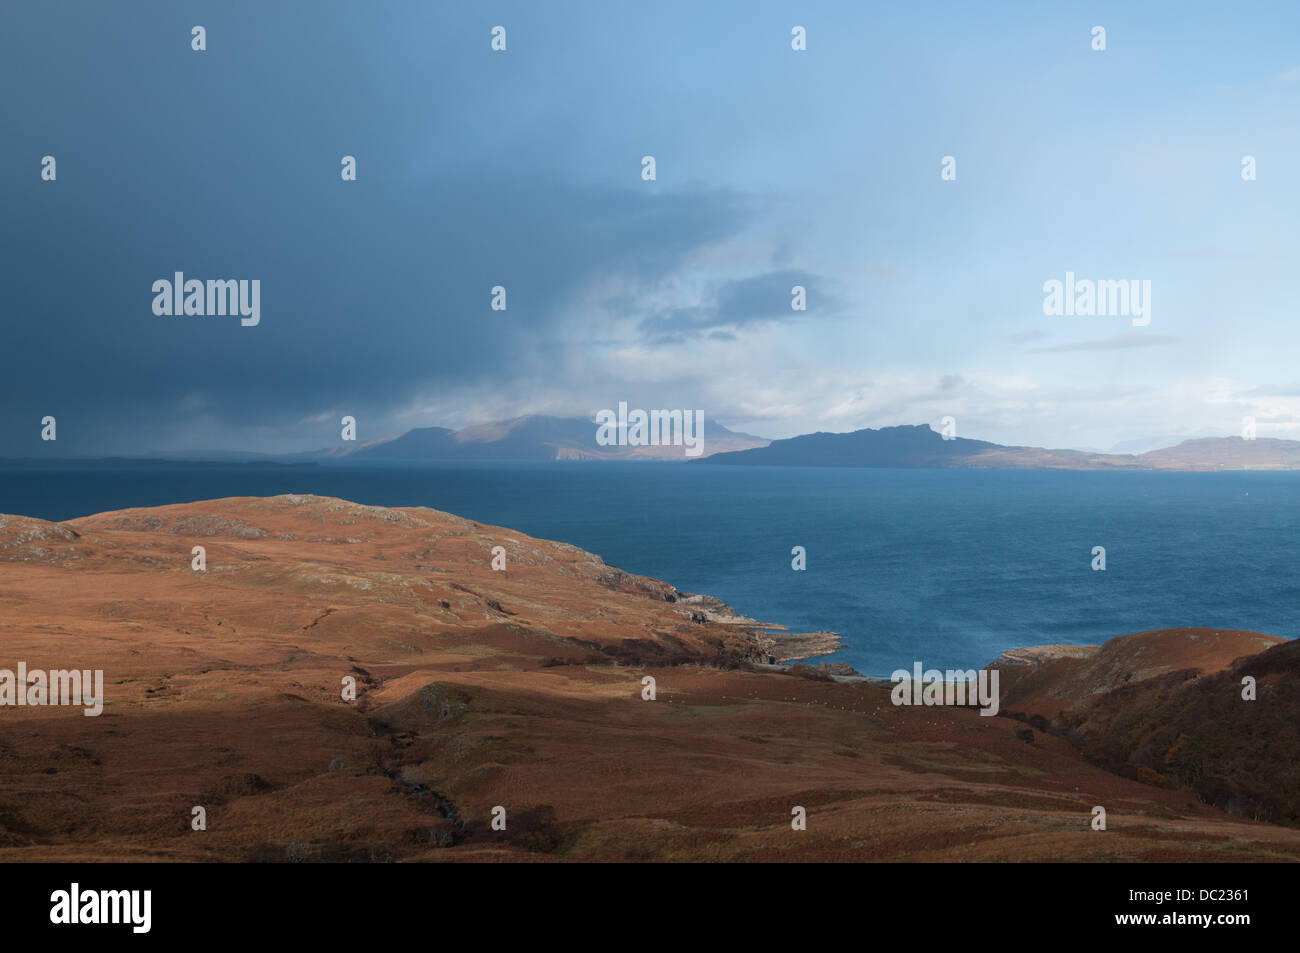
775 641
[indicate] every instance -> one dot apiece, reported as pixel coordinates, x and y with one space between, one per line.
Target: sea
946 567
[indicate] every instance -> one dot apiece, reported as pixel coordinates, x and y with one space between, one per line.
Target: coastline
777 642
372 659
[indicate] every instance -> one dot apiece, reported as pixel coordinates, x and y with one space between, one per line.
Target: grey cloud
745 302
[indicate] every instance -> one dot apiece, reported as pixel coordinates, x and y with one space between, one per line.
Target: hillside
1166 708
480 688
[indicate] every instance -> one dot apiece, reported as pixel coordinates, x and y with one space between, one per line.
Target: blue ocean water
948 567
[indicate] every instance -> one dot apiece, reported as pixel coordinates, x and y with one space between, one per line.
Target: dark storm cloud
225 165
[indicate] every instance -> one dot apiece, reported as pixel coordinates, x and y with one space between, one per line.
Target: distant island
537 437
544 438
920 446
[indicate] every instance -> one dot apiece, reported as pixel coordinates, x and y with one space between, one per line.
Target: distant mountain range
920 446
543 438
532 438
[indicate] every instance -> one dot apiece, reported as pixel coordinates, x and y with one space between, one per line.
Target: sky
522 168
